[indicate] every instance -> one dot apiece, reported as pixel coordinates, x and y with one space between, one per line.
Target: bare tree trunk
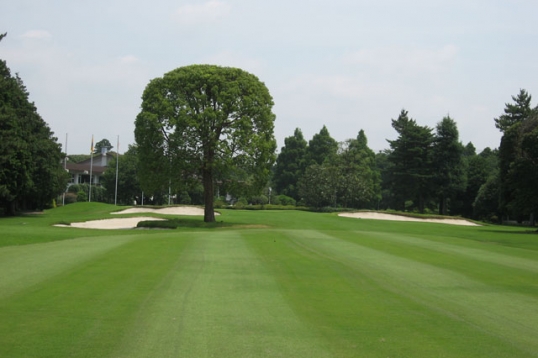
209 211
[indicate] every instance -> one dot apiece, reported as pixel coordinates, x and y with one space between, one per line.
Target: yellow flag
91 151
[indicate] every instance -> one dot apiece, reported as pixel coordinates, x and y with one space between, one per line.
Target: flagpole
91 169
117 167
65 167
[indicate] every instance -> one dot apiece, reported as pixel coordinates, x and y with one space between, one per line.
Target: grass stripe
84 309
219 301
485 255
24 266
502 316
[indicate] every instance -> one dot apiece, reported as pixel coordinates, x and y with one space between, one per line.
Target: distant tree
521 176
103 143
360 185
290 165
321 147
487 200
479 168
348 178
515 113
449 167
31 174
389 199
510 123
200 120
128 185
411 157
318 187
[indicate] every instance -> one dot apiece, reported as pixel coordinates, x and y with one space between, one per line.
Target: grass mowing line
220 301
483 254
83 311
356 316
508 317
27 265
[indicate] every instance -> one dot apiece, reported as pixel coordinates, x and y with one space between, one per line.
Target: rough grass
270 284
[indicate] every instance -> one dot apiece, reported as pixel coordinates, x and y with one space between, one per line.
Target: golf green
272 284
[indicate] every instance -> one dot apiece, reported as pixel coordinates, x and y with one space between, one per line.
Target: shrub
286 200
70 198
184 198
259 200
241 203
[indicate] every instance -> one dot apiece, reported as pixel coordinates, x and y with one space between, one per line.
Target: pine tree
448 162
321 147
411 157
290 165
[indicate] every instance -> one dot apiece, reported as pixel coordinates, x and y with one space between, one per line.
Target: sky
345 64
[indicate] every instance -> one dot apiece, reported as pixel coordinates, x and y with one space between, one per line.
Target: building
80 172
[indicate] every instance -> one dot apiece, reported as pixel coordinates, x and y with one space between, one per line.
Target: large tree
521 174
411 158
290 165
205 120
448 163
361 187
511 124
31 174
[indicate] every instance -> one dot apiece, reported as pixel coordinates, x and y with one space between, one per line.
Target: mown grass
265 284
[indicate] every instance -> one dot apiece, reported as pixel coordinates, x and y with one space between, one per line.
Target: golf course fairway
266 284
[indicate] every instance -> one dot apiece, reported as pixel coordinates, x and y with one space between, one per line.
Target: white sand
130 223
119 223
383 216
172 210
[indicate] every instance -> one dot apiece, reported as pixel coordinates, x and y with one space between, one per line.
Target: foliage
82 192
31 174
478 167
203 121
516 112
411 170
285 200
321 147
449 167
103 143
290 165
77 158
259 200
522 174
128 185
516 158
486 203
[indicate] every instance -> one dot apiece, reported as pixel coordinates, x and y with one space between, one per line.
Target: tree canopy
448 163
103 143
31 174
205 122
290 165
411 158
321 147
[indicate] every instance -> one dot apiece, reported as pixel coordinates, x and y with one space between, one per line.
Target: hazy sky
346 64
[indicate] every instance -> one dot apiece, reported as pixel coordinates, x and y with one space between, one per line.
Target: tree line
426 170
31 173
206 132
423 170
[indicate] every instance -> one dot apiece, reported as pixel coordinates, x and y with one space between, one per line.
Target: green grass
265 284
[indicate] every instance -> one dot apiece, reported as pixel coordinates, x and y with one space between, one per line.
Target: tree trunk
442 205
209 211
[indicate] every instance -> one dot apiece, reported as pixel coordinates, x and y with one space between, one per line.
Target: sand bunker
383 216
172 210
106 224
